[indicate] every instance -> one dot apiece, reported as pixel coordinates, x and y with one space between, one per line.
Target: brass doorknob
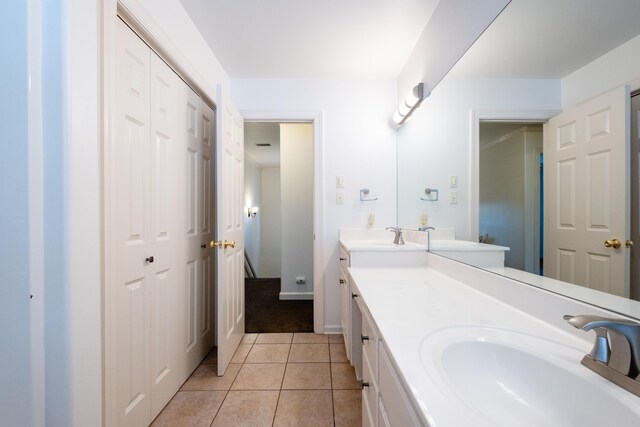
614 243
229 244
629 244
214 244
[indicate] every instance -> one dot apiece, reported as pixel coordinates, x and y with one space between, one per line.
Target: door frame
314 117
476 116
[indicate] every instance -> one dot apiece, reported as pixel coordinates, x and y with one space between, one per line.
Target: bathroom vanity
369 248
447 344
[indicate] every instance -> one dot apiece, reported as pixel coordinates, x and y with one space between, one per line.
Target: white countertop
410 304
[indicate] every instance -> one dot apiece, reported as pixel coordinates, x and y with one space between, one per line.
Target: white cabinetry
385 401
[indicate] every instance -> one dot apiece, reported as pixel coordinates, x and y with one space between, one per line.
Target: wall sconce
410 103
251 212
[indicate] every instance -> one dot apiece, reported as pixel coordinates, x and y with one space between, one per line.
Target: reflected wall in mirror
538 60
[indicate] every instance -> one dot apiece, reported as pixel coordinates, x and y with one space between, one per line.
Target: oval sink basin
507 378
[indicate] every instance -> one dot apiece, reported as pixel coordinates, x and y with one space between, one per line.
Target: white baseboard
296 295
332 329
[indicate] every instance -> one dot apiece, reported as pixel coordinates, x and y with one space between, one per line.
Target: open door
229 231
586 194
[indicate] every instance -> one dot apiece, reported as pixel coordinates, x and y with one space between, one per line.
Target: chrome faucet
616 352
398 240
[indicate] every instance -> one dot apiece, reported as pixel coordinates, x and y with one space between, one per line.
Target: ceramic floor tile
336 338
247 408
309 353
241 353
309 376
343 377
338 353
276 338
309 408
249 338
347 407
262 376
309 338
205 378
268 353
212 357
190 408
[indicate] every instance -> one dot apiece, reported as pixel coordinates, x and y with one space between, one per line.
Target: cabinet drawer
369 394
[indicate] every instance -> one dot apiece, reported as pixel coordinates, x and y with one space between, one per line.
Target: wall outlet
453 198
339 198
371 219
301 280
424 219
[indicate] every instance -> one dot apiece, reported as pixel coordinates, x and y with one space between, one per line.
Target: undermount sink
500 377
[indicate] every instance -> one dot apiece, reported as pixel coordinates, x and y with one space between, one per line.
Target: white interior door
586 194
134 275
147 367
164 150
229 219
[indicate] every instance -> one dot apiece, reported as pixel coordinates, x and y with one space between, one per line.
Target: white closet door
198 226
135 275
230 207
207 198
165 292
192 227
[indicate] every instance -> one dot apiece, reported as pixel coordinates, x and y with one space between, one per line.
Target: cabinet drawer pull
342 281
354 295
342 259
365 384
149 260
364 338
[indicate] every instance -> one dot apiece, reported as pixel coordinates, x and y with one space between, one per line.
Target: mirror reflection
528 141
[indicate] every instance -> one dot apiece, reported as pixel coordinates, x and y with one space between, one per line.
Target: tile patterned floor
283 379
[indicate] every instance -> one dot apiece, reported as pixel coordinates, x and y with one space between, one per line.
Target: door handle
229 244
614 243
629 244
214 244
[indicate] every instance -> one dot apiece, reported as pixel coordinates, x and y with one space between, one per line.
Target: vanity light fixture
410 103
251 212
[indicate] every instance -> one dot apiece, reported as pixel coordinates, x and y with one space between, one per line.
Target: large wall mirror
500 139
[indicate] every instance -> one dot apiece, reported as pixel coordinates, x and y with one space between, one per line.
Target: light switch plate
453 198
453 181
339 181
339 198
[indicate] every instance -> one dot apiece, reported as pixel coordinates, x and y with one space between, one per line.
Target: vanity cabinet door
395 402
345 313
369 340
369 395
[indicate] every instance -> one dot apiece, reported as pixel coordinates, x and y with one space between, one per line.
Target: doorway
511 191
279 227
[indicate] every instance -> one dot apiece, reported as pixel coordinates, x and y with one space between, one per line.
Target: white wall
296 179
615 68
271 217
252 197
357 142
16 373
435 143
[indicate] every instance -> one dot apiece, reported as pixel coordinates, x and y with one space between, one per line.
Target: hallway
276 379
